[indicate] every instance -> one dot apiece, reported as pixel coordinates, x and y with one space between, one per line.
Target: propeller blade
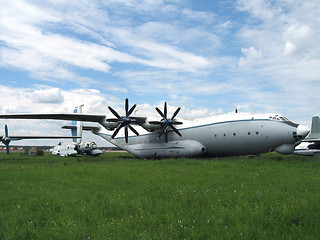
114 112
163 130
175 113
8 149
113 120
126 133
165 110
159 111
176 130
133 130
131 110
126 106
116 131
6 130
177 123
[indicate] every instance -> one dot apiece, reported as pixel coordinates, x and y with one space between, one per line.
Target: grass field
116 196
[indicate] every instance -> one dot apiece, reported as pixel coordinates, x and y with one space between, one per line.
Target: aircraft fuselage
223 135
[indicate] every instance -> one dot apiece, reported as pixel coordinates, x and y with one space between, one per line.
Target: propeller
166 123
124 121
6 139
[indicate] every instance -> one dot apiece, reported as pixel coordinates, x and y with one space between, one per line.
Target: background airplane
313 149
6 139
220 135
77 146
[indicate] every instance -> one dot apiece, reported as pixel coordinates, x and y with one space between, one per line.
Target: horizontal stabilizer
86 128
15 138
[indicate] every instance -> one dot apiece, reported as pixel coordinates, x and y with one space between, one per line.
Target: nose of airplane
302 131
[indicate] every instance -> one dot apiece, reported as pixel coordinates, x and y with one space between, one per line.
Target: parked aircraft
6 139
313 149
220 135
76 146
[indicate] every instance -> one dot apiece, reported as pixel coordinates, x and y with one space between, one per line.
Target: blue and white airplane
77 146
220 135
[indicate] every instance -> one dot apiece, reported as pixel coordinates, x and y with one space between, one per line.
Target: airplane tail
315 128
76 131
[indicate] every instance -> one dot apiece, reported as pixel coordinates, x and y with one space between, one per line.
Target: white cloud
251 56
32 40
298 40
52 95
261 9
206 17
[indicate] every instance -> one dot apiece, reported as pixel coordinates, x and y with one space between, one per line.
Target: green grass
116 196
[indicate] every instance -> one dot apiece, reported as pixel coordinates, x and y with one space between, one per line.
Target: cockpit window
283 119
279 118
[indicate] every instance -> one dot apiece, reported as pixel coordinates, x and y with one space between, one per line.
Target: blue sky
209 57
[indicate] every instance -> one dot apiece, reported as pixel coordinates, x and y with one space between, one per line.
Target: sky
207 57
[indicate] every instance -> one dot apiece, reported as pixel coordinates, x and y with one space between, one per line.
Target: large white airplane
77 146
220 135
310 146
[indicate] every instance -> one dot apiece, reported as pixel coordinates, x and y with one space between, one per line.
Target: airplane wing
66 116
56 116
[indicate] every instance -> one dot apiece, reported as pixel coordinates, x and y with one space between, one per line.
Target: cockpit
91 145
283 119
279 118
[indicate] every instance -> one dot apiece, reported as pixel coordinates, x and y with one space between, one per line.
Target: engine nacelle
151 127
110 125
173 149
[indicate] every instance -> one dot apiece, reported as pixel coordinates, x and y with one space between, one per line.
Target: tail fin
77 131
315 128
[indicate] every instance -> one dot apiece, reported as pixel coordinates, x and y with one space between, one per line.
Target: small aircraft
220 135
313 149
76 146
6 139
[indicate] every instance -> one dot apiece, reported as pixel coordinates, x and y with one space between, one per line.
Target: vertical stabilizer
74 130
315 128
77 132
79 125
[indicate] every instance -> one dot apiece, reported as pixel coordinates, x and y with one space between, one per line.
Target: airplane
76 146
6 139
213 136
313 149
